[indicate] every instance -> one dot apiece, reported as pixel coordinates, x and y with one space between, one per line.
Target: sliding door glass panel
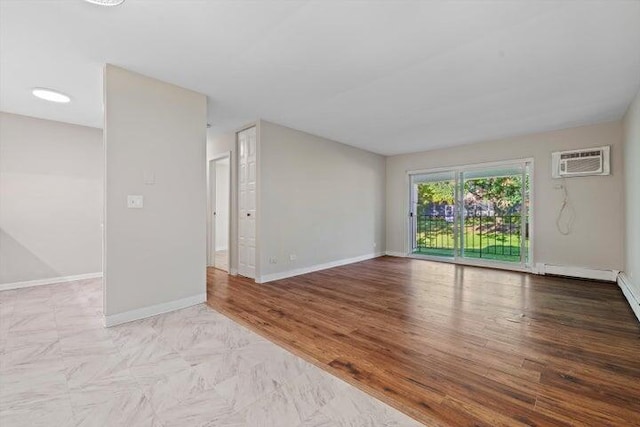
433 214
493 223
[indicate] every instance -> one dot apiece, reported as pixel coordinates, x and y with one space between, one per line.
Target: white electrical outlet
292 257
135 202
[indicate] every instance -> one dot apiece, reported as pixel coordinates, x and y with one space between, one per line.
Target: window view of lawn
491 225
484 237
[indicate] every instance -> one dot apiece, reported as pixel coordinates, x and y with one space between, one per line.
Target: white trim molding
304 270
153 310
395 253
634 300
49 281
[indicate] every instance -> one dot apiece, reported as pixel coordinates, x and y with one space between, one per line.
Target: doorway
476 214
220 211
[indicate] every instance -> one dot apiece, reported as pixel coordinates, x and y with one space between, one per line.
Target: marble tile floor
194 367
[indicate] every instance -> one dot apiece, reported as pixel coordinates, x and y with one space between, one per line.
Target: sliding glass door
478 213
433 215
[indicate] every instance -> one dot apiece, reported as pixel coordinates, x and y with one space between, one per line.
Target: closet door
247 202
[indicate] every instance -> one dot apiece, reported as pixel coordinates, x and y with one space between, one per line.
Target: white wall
222 205
632 194
319 200
50 199
156 256
598 233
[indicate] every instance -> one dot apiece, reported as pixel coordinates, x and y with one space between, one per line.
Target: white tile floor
194 367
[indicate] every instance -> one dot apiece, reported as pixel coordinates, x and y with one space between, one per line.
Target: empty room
319 213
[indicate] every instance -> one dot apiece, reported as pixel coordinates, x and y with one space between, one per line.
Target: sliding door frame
457 259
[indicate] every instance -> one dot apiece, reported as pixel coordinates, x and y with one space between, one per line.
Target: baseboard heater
577 272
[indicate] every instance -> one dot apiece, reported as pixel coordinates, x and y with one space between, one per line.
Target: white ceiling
387 76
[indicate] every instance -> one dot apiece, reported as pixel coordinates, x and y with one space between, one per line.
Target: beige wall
319 200
598 232
155 255
632 194
50 199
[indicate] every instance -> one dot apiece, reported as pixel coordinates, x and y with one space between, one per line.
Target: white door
247 203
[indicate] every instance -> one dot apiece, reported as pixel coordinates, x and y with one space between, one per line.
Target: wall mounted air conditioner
588 161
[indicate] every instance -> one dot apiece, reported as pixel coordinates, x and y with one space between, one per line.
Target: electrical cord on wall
565 209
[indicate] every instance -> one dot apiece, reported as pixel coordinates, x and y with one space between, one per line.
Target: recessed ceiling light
106 2
50 95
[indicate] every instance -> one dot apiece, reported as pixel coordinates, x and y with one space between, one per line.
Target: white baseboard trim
153 310
304 270
634 300
394 253
579 272
49 281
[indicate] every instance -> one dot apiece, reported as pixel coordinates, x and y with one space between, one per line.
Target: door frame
457 169
211 235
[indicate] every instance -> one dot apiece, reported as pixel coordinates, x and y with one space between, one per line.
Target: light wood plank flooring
453 345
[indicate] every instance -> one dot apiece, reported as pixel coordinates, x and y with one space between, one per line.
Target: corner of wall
630 280
171 272
628 290
154 310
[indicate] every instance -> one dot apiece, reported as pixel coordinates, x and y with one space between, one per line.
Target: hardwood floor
453 345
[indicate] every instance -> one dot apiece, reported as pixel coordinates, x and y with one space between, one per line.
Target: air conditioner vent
591 161
589 164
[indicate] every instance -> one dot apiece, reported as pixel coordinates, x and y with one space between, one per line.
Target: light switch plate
135 202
